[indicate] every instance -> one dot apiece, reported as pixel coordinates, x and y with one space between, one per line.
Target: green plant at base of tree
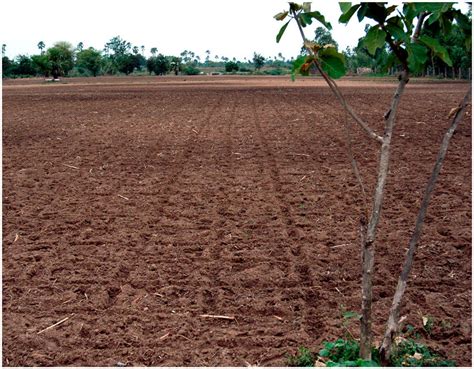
345 353
411 353
304 358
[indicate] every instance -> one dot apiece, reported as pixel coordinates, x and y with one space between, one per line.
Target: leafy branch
327 60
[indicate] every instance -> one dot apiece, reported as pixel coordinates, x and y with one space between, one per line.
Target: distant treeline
121 57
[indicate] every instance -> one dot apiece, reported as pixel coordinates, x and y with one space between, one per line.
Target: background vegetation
120 57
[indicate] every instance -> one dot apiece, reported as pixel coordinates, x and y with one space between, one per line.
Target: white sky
226 28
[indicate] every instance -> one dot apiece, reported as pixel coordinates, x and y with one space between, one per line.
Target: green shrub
231 66
245 69
191 70
412 353
304 358
346 353
275 72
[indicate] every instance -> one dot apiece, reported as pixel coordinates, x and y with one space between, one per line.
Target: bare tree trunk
369 237
393 320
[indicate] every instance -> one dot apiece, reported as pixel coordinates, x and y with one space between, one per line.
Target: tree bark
368 250
393 320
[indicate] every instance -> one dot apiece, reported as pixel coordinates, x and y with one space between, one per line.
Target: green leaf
350 315
409 14
438 50
345 7
308 18
377 12
295 7
374 39
282 31
433 18
463 21
281 16
362 11
297 64
307 7
345 18
417 57
332 62
391 9
367 363
445 22
430 7
324 353
397 32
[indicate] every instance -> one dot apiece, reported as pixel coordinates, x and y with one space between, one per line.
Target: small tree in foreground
402 33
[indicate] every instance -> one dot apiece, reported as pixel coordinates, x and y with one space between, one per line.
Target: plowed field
133 206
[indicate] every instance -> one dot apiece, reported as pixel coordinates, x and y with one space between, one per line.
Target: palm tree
41 46
80 46
153 51
4 48
143 49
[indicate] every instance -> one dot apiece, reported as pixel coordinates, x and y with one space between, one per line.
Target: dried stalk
393 320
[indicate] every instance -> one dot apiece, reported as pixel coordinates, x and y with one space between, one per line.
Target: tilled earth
134 206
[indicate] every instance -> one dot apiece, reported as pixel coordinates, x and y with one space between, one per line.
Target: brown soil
132 206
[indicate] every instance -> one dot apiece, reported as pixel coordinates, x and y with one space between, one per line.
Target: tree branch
393 320
335 89
417 31
368 250
384 159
